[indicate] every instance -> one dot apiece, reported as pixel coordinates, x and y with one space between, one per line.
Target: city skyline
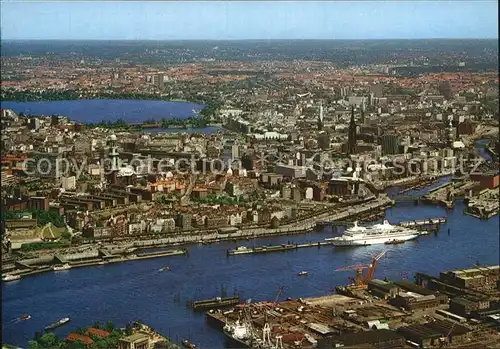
242 20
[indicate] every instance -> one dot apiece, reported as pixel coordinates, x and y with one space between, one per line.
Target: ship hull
232 342
367 241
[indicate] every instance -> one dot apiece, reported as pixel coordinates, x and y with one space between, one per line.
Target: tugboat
10 277
188 344
61 267
57 323
302 273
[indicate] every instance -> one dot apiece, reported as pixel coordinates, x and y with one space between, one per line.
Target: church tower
320 117
363 113
451 134
351 140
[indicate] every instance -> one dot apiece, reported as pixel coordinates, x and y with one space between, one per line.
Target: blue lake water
95 110
137 290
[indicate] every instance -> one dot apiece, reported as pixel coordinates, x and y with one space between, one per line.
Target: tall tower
363 107
113 153
351 140
451 134
320 118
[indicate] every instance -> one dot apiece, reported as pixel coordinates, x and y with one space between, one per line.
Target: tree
74 345
33 345
109 326
128 329
80 330
97 324
48 340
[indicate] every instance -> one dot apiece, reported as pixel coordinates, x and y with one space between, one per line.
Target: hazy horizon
248 20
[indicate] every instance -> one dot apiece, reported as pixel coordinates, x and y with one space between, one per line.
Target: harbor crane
360 280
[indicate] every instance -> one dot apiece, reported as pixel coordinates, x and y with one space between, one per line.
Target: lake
95 110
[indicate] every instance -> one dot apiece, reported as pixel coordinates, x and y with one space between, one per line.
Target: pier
423 222
275 248
36 269
215 303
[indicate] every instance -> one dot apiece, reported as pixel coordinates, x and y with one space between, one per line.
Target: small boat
394 242
102 263
165 268
57 323
302 273
24 317
61 267
10 277
188 344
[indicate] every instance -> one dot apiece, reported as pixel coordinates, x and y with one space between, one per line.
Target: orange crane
360 280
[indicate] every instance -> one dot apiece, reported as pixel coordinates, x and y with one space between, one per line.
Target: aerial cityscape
244 174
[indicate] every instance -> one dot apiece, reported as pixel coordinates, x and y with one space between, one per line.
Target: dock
423 222
215 303
275 248
108 259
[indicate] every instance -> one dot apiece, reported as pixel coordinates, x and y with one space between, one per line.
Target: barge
215 303
274 248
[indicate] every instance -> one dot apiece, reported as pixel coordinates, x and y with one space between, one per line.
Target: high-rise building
320 118
351 139
390 144
323 140
451 134
235 151
363 113
34 124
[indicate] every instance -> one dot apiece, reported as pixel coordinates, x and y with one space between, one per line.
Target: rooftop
136 337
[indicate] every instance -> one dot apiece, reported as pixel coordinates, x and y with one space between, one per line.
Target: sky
234 20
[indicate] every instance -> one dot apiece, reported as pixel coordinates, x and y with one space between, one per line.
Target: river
95 110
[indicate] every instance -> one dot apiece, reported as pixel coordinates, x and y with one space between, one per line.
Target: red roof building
91 331
75 337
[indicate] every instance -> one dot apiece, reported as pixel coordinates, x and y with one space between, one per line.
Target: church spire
363 107
320 117
351 140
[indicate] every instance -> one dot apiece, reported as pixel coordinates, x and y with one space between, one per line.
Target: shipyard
460 308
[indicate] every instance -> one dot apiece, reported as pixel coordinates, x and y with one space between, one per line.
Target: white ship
376 234
242 250
61 267
239 334
11 277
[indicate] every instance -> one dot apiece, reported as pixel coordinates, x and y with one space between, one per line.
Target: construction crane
361 280
444 341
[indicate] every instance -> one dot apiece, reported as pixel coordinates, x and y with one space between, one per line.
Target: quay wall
80 255
39 260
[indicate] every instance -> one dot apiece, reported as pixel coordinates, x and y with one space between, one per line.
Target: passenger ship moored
376 234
